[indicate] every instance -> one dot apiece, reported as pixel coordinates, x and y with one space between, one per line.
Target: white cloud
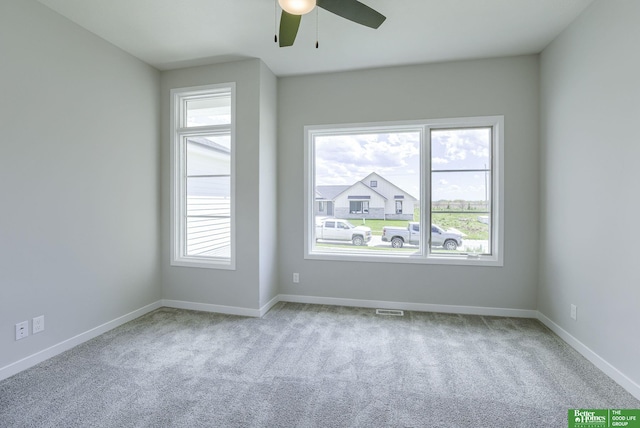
348 158
460 145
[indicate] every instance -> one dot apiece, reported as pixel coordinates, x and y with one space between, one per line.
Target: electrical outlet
574 312
38 324
22 330
296 278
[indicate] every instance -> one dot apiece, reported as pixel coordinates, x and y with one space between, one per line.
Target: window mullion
425 210
204 130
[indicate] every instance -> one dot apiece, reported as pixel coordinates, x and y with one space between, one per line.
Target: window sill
461 260
204 263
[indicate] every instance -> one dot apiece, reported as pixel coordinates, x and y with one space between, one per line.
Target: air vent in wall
393 312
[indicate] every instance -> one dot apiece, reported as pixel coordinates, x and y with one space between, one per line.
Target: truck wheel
450 244
397 242
358 240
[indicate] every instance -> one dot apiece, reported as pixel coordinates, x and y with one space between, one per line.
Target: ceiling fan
353 10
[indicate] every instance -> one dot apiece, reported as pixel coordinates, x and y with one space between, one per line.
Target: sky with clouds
346 159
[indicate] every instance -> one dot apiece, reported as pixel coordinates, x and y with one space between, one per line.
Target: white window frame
425 256
178 132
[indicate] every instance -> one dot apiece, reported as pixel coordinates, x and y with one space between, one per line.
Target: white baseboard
269 305
221 309
420 307
208 307
54 350
615 374
38 357
333 301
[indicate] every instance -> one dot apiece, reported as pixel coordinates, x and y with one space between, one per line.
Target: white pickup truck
341 230
398 236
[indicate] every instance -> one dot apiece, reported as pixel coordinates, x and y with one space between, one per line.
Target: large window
203 176
387 180
359 207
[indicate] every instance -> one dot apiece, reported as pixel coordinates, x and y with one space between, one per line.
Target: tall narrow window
203 176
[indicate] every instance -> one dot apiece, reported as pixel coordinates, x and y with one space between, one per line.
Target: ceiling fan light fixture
297 7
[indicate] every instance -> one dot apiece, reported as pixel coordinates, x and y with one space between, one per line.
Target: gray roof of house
208 143
366 187
330 192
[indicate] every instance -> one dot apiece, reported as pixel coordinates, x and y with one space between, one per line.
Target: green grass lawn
377 225
465 222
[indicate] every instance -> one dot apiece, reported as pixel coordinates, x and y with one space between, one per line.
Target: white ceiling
178 33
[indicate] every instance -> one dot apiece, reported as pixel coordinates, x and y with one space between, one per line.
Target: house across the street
373 197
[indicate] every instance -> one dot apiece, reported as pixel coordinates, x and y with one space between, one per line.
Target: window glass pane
209 155
213 110
359 207
461 196
468 148
359 175
204 206
208 194
208 217
208 237
219 187
469 189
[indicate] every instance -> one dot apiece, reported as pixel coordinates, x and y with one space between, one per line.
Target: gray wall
255 197
268 199
79 176
507 86
590 106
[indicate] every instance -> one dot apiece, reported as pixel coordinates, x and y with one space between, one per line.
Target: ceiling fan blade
354 11
289 25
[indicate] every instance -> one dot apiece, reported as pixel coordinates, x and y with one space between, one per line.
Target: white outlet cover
38 324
